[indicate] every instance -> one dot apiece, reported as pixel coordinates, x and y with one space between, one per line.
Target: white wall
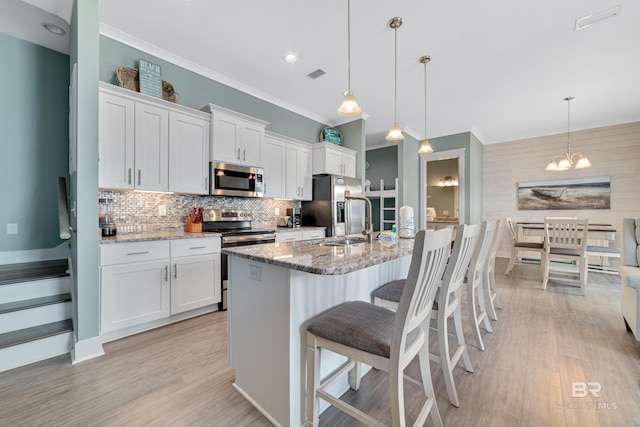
613 151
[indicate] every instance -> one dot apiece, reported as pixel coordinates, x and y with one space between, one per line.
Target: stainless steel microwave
235 180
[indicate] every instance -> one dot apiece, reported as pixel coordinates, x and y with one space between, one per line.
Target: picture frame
565 194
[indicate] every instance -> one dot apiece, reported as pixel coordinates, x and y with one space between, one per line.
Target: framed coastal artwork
592 192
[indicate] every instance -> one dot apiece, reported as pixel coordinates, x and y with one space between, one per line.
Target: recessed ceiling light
290 58
53 28
588 20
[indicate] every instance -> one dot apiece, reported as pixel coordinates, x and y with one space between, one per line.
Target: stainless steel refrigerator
330 209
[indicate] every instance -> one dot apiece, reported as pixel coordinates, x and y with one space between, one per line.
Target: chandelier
566 161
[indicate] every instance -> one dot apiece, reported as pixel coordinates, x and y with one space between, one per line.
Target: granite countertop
170 234
310 257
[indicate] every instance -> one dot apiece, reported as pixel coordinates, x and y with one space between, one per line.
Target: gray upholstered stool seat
392 291
359 325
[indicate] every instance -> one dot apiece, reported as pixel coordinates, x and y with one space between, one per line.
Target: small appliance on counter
285 221
296 217
105 218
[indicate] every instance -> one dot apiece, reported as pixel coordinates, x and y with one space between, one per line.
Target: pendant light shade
395 133
565 161
425 146
349 105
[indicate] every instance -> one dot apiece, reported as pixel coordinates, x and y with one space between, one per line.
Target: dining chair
383 339
489 279
446 304
566 240
518 247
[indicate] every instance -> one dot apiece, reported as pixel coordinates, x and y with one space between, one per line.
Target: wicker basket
127 78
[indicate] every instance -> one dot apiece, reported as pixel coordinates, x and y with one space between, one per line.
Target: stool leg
313 381
457 321
427 384
445 356
473 318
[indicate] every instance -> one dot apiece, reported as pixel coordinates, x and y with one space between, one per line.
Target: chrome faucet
368 231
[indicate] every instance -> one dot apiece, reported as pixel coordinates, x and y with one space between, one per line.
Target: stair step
32 303
35 333
27 271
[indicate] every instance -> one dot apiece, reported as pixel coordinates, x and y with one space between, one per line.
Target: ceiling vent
317 73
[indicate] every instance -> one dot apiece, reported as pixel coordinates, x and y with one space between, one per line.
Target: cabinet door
250 152
195 282
116 133
151 148
291 176
333 162
305 178
224 143
288 236
274 157
133 294
349 165
188 154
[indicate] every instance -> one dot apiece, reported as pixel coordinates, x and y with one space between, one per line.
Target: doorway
439 172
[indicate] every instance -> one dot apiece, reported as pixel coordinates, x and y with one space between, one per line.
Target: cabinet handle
139 176
138 253
129 176
206 183
198 247
166 273
244 154
175 271
238 155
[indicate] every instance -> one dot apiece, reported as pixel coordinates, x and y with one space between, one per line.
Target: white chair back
565 233
466 239
428 262
510 229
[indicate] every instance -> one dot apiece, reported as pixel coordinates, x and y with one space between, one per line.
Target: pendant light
425 146
349 105
565 161
395 133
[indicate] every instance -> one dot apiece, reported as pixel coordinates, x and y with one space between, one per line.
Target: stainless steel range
236 230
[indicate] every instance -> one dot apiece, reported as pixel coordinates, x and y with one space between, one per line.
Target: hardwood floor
178 375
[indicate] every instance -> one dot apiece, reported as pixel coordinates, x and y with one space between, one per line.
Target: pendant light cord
395 78
569 125
425 99
349 45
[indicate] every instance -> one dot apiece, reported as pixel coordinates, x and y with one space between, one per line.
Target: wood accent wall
612 150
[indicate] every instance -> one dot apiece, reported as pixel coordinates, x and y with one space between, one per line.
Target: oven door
234 180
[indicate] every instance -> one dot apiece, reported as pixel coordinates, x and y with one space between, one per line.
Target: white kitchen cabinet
188 153
318 233
151 145
135 285
299 179
334 159
143 282
117 138
195 273
235 137
274 158
292 236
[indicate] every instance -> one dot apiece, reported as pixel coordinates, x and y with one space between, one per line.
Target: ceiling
499 68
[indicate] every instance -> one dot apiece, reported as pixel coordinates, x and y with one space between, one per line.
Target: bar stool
447 304
388 341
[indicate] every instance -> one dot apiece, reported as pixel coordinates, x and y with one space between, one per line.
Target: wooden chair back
565 233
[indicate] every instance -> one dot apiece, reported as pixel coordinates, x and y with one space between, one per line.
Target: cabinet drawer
186 247
312 234
288 236
124 253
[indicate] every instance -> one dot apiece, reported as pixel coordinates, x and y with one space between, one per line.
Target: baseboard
86 349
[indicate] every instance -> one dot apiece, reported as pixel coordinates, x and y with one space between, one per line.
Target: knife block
193 227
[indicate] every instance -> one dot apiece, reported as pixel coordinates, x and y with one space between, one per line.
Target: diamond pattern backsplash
138 211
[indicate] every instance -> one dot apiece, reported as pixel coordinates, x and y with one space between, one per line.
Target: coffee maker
296 216
105 218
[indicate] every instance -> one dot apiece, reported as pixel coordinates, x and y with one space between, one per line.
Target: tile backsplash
138 211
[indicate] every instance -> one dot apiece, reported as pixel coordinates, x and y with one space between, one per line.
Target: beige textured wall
612 150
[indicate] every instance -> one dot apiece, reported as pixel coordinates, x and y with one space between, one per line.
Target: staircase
35 312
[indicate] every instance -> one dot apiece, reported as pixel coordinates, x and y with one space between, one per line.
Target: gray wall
383 164
33 149
197 91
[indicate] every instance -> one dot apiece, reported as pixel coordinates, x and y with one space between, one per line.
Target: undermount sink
341 242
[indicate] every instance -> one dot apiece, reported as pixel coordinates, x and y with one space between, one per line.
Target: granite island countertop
310 257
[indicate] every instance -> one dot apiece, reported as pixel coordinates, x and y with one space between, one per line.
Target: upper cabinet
235 137
151 145
274 151
333 159
287 167
299 180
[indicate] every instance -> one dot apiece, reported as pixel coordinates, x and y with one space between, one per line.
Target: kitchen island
274 290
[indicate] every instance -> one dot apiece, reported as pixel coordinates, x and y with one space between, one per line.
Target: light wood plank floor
178 375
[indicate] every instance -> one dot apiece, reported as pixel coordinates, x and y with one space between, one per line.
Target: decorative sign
150 78
566 193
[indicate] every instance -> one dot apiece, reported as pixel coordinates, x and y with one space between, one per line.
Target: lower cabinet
148 281
292 236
